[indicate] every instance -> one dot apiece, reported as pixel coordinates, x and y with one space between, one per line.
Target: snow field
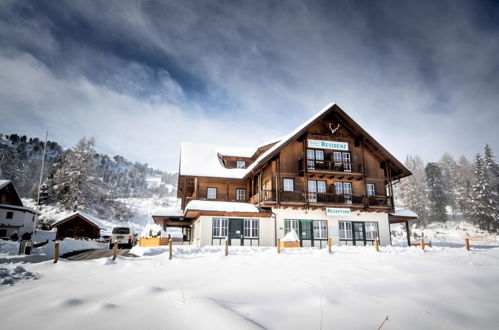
255 288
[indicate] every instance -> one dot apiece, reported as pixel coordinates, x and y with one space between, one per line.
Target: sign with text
334 145
337 212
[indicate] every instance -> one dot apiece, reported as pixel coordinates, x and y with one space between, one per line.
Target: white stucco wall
202 233
203 230
20 218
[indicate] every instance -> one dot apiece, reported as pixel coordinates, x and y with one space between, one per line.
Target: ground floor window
320 229
358 232
345 230
220 226
371 231
251 228
291 224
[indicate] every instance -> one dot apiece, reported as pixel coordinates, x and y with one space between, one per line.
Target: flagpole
40 180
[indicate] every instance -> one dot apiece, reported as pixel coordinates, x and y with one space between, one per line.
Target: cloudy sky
141 76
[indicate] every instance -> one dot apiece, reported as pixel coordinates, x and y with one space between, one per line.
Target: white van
125 237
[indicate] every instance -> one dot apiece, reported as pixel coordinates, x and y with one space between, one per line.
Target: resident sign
328 145
334 211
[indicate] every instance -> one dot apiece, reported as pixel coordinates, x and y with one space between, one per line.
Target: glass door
236 232
306 233
359 233
312 190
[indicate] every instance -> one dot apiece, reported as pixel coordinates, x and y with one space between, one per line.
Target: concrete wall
24 219
202 228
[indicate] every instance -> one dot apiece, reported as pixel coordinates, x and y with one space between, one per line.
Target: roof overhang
197 213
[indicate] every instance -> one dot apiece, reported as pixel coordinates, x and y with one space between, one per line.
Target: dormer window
241 164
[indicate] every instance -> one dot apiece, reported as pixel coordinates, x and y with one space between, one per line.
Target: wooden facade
77 226
293 173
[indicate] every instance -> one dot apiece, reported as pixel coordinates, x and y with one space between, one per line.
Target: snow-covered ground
448 233
255 288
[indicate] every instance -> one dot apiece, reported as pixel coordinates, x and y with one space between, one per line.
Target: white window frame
220 227
240 194
251 228
371 230
371 189
338 188
288 184
291 224
240 164
347 188
210 191
345 230
320 229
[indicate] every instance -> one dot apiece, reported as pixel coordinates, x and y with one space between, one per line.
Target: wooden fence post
329 242
115 250
376 244
278 246
170 250
56 252
422 244
467 243
226 247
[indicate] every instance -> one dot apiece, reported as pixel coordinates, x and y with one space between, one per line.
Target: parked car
125 237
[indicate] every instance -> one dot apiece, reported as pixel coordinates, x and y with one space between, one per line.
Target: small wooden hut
78 225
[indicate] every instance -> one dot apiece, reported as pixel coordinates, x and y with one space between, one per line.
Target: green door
306 232
236 232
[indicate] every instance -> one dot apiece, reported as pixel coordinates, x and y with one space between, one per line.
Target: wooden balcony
331 168
270 197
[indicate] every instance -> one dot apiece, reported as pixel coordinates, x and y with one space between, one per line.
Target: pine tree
492 169
484 205
436 195
449 168
412 190
463 187
75 183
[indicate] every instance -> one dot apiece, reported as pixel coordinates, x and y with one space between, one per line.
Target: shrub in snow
153 230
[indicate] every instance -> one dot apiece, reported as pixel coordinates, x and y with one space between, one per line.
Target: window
347 165
345 189
320 229
121 230
313 157
220 227
211 193
371 231
251 228
291 224
288 185
371 190
241 164
315 187
345 230
10 215
240 194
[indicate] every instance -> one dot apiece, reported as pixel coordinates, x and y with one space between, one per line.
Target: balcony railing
320 198
330 166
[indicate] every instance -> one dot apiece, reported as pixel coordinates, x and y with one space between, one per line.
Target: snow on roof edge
87 216
199 205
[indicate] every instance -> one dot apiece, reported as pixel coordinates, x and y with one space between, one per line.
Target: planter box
154 241
290 244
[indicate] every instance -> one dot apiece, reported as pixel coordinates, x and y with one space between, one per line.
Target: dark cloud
420 72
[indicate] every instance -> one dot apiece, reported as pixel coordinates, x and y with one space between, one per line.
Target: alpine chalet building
327 178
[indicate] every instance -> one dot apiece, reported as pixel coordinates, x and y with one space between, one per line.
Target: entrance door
359 233
236 232
306 232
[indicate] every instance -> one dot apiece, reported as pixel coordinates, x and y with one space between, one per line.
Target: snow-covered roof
3 183
87 216
168 213
202 159
199 159
21 208
197 205
404 213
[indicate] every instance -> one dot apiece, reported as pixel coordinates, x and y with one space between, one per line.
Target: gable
8 194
